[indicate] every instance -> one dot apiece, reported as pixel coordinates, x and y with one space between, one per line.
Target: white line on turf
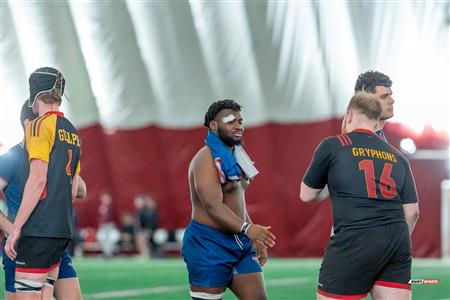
137 292
176 288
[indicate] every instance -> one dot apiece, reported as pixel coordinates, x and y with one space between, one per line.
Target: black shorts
39 254
357 259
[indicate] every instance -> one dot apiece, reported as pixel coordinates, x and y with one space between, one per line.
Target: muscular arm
74 186
308 194
209 192
313 187
81 189
411 211
247 217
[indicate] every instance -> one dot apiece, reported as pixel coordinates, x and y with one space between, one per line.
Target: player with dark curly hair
221 246
379 84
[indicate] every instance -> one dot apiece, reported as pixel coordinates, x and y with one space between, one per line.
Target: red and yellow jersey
54 140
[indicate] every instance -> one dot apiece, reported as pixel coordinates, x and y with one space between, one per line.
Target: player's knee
205 296
26 285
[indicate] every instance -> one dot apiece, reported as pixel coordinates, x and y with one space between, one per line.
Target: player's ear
344 125
26 122
349 117
213 125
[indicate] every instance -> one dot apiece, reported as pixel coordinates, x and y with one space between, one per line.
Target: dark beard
229 141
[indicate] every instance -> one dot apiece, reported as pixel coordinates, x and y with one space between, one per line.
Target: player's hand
259 233
11 242
261 252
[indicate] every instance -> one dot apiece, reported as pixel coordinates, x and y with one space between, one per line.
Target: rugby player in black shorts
375 208
44 223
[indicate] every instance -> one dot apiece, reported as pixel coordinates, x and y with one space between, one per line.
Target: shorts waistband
209 229
224 237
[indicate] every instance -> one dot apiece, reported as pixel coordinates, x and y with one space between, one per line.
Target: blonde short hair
367 104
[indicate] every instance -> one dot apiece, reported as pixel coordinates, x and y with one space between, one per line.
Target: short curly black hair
218 106
367 81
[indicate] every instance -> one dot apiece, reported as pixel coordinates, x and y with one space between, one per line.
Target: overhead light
407 145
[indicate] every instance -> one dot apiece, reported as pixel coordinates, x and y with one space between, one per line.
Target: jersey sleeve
316 175
39 139
409 192
8 164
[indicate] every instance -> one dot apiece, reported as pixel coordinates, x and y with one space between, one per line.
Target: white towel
245 162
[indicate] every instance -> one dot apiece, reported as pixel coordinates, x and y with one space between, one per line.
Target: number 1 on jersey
68 168
387 183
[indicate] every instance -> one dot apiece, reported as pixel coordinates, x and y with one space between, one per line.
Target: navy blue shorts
66 270
213 257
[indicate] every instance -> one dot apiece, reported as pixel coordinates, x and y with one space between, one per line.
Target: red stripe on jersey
347 138
341 140
58 113
345 297
39 122
364 131
37 270
394 285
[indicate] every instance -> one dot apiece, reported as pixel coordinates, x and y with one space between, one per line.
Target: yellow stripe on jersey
78 168
41 137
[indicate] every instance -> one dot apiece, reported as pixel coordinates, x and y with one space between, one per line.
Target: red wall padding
155 160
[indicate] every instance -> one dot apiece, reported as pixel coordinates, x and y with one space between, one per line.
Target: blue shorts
213 257
66 269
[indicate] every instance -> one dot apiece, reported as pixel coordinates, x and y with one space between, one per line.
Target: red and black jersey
54 140
368 179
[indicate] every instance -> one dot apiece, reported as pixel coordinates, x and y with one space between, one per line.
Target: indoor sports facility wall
140 76
155 160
